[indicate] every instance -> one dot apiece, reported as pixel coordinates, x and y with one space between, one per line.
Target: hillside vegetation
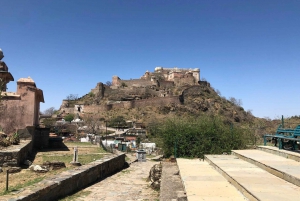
201 122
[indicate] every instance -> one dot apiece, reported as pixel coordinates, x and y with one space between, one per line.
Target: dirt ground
129 184
87 153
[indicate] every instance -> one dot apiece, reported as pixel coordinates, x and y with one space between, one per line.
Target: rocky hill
144 105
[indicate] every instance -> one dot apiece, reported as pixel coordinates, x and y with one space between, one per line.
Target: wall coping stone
44 190
16 148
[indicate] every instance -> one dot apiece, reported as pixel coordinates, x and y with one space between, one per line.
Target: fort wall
132 82
157 101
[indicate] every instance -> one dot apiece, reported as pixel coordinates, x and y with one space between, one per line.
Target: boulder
54 165
14 170
155 176
38 168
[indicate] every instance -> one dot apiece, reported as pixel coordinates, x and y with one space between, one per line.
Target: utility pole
106 131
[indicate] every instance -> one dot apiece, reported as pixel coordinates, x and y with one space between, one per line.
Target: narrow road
129 184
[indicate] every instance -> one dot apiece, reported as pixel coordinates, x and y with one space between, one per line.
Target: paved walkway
257 182
129 184
203 182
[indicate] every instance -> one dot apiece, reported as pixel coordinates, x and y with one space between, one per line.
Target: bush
69 117
194 137
91 94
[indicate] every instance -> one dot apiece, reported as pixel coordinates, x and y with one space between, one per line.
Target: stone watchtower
5 76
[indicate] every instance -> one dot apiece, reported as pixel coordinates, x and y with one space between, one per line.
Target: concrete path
284 168
129 184
294 155
254 182
203 182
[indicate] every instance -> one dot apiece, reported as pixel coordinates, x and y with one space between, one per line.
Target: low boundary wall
15 155
70 181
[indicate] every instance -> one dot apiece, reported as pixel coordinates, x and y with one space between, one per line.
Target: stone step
253 182
281 152
203 182
281 167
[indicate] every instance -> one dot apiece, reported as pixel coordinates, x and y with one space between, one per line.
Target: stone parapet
16 154
70 181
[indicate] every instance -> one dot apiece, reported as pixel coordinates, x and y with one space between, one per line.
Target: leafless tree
218 92
237 102
92 121
72 97
108 83
50 111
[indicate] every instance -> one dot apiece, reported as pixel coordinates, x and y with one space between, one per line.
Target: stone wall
133 82
21 109
185 80
41 138
166 84
70 181
158 101
15 155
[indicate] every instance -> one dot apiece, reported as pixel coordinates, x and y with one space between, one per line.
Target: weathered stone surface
155 176
69 181
27 162
54 165
14 170
171 185
16 154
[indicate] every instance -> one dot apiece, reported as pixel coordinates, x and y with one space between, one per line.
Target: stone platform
244 175
203 182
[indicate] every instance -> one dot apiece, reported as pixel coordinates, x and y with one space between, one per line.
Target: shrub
194 137
91 94
69 117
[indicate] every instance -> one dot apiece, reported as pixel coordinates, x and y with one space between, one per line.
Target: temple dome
29 79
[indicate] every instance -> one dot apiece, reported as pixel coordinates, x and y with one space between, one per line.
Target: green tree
123 84
117 121
194 137
69 117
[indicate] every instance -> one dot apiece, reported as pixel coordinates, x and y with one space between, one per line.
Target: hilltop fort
162 87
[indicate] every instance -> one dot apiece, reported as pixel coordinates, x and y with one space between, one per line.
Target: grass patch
83 159
76 195
78 144
150 156
19 186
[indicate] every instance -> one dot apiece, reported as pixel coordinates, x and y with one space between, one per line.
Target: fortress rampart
158 101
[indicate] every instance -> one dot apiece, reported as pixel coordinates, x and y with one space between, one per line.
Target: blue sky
249 50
